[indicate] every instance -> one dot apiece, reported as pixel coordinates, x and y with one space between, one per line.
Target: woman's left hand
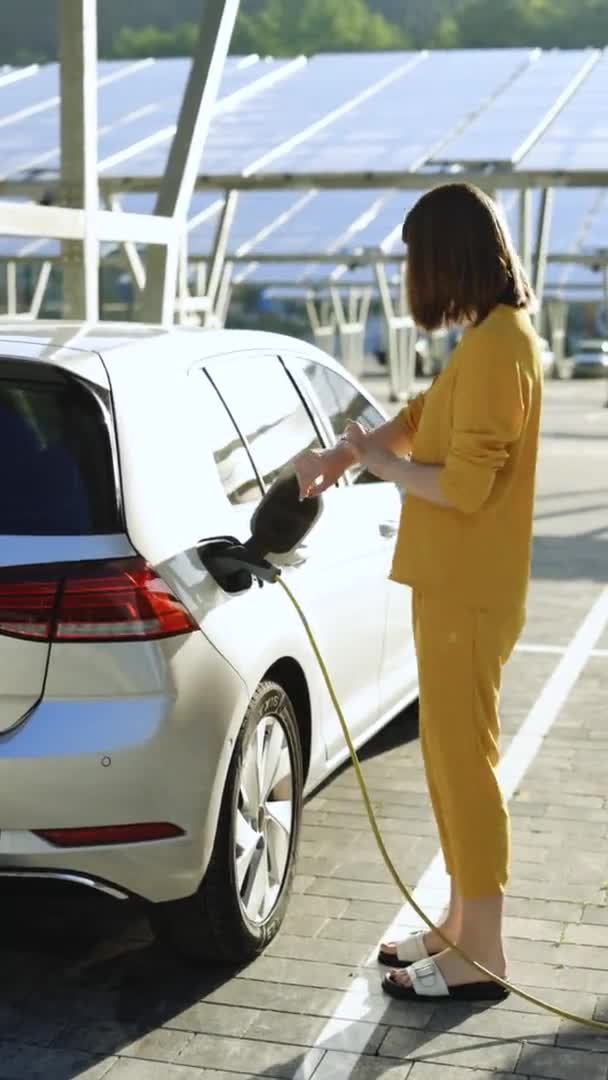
379 462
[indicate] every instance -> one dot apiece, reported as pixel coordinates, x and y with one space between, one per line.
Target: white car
590 359
157 734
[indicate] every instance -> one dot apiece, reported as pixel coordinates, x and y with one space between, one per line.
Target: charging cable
598 1025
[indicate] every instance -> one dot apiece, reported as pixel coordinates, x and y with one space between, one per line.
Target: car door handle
388 529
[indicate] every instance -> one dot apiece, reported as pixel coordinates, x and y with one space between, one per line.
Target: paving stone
214 1019
541 952
355 890
496 1024
332 952
336 1066
19 1062
99 1037
547 910
424 1070
307 904
566 978
270 995
371 911
533 929
450 1049
573 1001
587 956
159 1045
561 1064
595 915
351 930
578 1037
301 973
306 926
330 1034
157 1070
268 1059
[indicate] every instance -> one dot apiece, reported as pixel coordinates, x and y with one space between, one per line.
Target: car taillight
98 835
118 600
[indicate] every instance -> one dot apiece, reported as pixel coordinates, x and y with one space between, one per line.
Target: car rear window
56 474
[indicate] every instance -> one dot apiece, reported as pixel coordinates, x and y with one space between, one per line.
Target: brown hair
461 260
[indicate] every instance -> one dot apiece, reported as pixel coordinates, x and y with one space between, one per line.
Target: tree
152 41
310 26
280 28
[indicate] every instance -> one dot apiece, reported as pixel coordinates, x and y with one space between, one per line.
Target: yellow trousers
461 652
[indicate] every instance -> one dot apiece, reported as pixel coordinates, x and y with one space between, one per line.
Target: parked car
157 734
589 359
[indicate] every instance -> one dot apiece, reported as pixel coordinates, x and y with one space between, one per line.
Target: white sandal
428 984
411 949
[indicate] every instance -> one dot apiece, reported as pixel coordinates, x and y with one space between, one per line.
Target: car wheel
242 899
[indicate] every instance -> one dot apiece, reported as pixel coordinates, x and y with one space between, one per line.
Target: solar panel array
333 113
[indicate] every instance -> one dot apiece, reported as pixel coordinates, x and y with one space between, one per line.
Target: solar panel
400 124
241 136
150 160
578 137
137 100
500 133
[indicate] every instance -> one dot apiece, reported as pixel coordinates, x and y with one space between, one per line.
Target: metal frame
401 334
162 284
78 186
179 179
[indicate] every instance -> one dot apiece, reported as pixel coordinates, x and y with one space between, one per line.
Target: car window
267 409
233 462
61 479
341 401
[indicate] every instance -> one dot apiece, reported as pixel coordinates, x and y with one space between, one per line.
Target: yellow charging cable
392 869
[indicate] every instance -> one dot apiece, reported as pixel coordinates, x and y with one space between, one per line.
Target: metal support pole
218 255
542 244
400 336
40 289
185 154
605 283
134 259
557 311
322 324
11 287
224 294
525 229
79 186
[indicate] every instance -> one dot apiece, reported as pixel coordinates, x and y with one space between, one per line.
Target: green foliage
152 41
133 28
311 26
280 28
545 23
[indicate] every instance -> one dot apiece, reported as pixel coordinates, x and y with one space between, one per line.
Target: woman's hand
318 470
382 463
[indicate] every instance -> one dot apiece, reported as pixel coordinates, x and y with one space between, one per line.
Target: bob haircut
461 260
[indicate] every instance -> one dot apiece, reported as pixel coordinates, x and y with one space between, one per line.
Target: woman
465 454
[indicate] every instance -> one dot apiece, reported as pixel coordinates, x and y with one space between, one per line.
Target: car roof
55 341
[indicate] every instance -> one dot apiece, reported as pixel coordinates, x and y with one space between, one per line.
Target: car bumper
158 756
590 371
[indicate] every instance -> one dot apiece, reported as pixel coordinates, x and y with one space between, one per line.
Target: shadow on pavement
571 558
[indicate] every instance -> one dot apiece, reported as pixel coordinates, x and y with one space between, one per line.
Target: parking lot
87 993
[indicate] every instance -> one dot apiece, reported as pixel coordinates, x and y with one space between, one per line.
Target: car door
374 508
337 575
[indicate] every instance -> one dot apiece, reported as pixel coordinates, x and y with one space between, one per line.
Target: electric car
158 733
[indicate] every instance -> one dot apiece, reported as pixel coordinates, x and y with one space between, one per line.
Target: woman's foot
432 942
456 971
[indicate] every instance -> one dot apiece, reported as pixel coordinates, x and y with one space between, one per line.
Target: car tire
236 912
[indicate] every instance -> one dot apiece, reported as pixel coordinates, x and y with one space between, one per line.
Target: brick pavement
87 993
